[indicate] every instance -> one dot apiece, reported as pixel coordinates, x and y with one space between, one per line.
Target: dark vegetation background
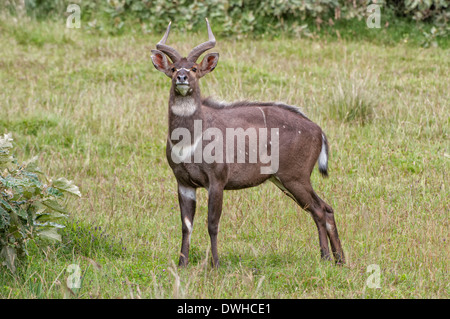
422 22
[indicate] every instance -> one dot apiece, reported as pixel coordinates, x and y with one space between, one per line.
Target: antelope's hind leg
304 195
333 235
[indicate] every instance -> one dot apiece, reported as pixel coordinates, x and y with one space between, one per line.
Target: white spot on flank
184 106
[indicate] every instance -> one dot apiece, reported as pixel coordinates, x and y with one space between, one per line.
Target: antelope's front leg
187 201
215 198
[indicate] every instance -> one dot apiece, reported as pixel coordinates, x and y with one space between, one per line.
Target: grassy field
95 111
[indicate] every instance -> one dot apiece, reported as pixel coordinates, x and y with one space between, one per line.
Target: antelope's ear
208 63
160 62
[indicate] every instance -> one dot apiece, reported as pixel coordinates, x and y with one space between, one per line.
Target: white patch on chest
184 106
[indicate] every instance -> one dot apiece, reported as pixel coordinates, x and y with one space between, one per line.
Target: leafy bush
29 207
424 9
233 16
239 18
434 11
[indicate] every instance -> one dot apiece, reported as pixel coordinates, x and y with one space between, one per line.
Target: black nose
182 78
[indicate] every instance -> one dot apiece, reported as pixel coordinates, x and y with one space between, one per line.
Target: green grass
95 110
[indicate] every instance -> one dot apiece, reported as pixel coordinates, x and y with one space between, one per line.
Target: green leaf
53 204
31 165
22 213
5 141
29 192
50 233
66 186
4 218
7 205
50 216
9 255
5 145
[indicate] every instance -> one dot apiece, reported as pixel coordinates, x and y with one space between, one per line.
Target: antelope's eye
173 69
194 69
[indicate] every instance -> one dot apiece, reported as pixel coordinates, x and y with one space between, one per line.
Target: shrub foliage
31 205
234 16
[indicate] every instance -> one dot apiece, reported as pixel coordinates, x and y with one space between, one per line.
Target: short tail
323 157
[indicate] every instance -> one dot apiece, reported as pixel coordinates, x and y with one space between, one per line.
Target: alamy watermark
74 279
73 20
373 281
252 146
374 18
372 21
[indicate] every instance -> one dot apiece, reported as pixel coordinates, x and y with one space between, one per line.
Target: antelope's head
185 72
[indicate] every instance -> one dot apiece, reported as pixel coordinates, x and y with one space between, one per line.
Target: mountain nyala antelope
198 160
